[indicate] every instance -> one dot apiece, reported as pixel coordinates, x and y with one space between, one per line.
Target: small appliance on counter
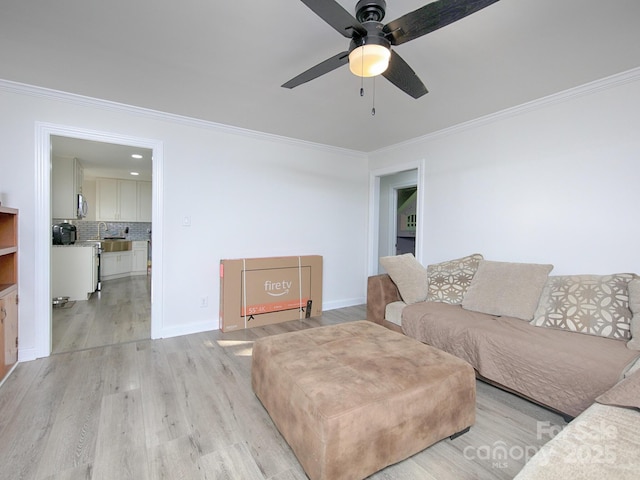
64 234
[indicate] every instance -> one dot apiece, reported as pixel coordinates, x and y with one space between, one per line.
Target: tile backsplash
88 230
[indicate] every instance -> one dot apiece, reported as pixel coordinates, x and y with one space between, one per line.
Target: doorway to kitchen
149 286
101 282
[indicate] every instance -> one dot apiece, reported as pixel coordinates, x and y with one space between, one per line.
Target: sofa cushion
625 393
449 281
557 368
393 312
409 276
506 289
590 304
634 306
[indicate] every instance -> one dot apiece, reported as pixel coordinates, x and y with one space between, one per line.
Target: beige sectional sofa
570 343
560 341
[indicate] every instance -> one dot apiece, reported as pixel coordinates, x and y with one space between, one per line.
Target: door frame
43 310
374 209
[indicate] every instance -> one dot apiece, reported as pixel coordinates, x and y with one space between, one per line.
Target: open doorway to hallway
406 220
397 214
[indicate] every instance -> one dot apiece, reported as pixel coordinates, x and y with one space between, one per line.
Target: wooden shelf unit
8 289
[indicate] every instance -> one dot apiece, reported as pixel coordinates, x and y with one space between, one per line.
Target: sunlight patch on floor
240 348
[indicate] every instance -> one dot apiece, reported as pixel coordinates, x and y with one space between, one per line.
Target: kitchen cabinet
139 257
95 270
116 200
115 264
125 263
74 271
128 200
123 200
8 289
144 201
106 199
67 177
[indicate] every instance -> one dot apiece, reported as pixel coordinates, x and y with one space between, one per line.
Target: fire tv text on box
275 289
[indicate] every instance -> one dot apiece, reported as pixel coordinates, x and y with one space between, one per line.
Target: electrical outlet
204 302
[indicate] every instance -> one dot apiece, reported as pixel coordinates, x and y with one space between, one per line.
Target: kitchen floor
120 313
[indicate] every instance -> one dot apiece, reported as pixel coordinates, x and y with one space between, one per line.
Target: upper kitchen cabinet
67 176
144 201
116 200
122 200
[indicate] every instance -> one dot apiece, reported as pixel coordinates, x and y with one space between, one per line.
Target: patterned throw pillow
591 304
448 281
634 306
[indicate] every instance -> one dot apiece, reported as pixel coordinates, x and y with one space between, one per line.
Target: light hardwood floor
183 408
120 313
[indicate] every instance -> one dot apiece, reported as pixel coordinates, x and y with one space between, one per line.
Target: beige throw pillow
634 306
449 281
506 289
590 304
409 276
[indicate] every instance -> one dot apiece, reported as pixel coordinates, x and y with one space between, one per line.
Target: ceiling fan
370 52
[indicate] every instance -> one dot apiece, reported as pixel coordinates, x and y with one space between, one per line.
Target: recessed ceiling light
134 173
136 155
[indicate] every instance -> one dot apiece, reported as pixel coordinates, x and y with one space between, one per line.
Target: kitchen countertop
92 243
78 244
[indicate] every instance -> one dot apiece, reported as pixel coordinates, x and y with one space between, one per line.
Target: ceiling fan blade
402 76
431 17
335 15
320 69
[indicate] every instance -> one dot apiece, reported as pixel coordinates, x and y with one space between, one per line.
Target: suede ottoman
353 398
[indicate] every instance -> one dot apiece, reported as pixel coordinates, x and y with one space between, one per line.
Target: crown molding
590 88
84 101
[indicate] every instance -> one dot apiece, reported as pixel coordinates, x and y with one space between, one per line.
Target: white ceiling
100 159
224 61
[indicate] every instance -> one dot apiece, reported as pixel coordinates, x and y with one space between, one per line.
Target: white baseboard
347 302
28 354
197 327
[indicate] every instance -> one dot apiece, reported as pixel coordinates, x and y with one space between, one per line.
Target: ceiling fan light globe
369 60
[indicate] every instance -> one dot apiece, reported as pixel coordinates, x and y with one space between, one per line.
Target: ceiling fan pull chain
373 108
362 78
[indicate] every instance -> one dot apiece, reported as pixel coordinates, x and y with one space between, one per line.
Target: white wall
556 182
248 195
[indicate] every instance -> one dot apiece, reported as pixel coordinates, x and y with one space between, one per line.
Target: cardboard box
261 291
